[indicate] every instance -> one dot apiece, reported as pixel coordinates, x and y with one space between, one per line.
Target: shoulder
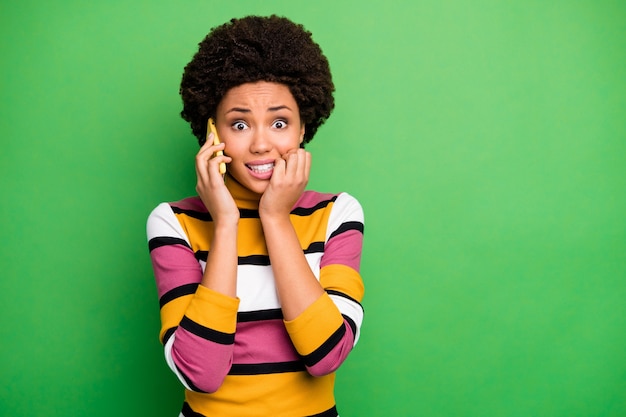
186 205
189 204
163 220
338 203
310 199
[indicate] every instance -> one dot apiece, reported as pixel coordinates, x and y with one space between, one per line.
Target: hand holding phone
216 141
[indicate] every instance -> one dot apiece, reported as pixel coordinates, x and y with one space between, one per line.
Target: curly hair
252 49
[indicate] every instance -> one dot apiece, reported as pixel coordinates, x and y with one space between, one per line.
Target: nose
261 142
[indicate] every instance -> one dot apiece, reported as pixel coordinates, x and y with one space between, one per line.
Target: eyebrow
245 110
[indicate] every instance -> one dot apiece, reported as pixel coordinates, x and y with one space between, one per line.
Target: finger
301 158
209 148
201 161
207 161
306 165
280 166
291 162
217 167
207 143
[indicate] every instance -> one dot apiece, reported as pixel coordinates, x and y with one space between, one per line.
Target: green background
486 141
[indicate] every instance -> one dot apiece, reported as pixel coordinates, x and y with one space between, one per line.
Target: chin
254 185
258 188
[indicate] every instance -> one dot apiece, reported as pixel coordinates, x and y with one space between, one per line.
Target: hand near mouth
289 179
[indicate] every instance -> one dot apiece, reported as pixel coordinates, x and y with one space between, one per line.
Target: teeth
261 168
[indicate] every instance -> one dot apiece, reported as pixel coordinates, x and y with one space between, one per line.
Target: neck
243 197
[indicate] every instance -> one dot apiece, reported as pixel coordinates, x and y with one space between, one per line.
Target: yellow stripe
199 232
251 240
313 327
206 307
212 309
306 226
172 313
343 279
277 395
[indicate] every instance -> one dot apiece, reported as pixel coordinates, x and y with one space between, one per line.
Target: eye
239 125
279 124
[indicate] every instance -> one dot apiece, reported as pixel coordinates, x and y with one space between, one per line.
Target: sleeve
197 324
326 332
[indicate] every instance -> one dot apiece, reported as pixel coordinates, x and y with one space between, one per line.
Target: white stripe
256 287
163 222
170 361
350 309
314 260
345 209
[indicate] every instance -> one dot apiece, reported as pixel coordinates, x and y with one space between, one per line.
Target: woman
258 279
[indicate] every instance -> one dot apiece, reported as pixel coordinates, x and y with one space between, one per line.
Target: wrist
226 225
274 219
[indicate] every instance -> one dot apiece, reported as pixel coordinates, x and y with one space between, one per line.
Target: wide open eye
239 125
279 124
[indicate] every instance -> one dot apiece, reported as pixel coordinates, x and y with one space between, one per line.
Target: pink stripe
205 363
310 198
344 249
336 356
263 342
174 265
190 203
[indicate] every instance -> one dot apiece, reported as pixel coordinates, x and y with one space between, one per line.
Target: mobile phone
216 141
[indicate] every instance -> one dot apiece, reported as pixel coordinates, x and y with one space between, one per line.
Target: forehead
258 95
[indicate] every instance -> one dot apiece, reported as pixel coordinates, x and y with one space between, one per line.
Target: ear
302 129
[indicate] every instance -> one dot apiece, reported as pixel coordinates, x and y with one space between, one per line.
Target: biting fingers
297 163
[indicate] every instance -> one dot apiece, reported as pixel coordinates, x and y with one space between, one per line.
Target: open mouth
261 169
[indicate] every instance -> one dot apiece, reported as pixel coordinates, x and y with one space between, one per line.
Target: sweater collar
243 197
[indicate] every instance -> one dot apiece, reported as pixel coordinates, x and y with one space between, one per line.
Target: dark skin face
259 123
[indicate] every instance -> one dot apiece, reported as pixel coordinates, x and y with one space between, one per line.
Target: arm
296 284
198 321
220 273
314 318
326 332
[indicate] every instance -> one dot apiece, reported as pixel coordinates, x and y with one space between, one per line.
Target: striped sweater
238 356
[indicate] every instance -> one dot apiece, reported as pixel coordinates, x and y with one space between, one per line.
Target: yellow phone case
216 140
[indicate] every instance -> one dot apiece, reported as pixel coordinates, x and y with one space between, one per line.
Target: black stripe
328 413
258 260
157 242
351 323
206 216
200 215
247 316
168 333
358 226
319 353
306 211
249 214
315 247
188 412
206 332
344 295
174 293
266 368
